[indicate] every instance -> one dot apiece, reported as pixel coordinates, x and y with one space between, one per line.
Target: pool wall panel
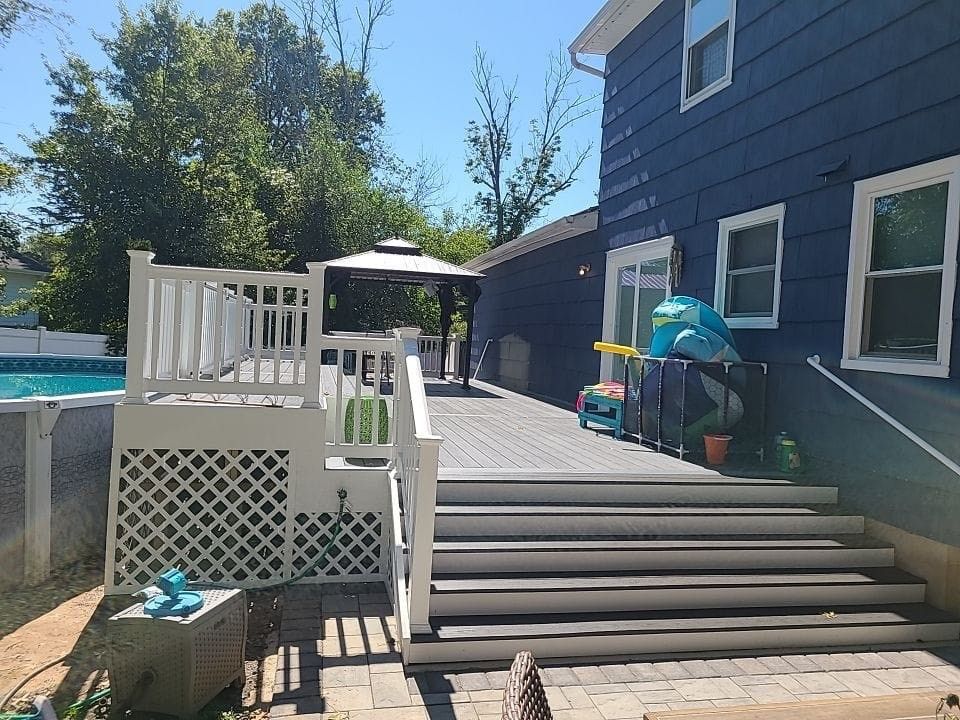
12 448
80 482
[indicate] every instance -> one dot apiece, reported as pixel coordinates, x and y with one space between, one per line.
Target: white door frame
630 254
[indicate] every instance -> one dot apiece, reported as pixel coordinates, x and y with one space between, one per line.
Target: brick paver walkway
339 655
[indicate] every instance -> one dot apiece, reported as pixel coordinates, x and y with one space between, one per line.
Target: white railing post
311 391
421 544
138 324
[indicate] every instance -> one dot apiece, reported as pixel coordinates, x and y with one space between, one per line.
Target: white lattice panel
357 552
218 515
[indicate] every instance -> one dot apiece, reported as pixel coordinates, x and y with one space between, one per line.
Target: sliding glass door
637 280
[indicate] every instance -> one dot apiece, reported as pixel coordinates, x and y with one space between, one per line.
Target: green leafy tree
519 181
169 155
295 79
230 143
17 16
21 15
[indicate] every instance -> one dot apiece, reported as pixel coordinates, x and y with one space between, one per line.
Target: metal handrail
814 362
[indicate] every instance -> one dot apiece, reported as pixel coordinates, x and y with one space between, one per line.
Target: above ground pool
23 376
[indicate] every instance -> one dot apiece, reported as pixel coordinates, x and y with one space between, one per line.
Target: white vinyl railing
189 329
359 404
430 348
417 462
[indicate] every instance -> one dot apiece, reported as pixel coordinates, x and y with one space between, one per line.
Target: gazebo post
473 294
445 296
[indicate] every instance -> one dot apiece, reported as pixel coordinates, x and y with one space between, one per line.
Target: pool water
21 385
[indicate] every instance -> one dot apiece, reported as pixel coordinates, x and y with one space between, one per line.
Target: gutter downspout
575 61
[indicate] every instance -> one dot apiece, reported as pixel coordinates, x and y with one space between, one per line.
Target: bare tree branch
515 196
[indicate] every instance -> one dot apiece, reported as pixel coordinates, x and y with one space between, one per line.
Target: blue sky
423 73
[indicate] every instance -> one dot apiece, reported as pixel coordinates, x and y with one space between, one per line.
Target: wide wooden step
538 593
658 633
716 552
577 487
651 521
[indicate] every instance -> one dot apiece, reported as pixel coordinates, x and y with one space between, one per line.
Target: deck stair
578 563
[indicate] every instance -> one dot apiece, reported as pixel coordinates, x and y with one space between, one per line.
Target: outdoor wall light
583 270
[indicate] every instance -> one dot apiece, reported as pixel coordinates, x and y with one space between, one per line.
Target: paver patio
339 654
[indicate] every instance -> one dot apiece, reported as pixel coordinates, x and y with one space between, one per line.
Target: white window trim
861 226
739 222
688 102
636 253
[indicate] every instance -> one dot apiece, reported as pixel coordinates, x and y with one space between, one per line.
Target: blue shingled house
797 164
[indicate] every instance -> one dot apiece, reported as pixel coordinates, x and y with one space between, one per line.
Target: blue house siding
543 319
813 82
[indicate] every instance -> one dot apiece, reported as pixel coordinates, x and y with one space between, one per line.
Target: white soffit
611 25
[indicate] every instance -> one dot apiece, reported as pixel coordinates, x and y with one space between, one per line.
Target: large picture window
902 270
707 49
749 251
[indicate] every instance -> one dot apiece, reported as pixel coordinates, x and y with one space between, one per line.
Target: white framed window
749 254
708 30
902 270
637 279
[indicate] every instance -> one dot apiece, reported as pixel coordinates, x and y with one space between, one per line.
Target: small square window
749 249
902 271
707 49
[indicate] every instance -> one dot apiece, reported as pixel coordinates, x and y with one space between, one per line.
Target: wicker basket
524 697
190 659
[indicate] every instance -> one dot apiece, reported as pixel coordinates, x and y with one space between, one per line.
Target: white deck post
311 370
138 324
421 549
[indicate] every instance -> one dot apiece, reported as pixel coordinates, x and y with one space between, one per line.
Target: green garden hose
342 494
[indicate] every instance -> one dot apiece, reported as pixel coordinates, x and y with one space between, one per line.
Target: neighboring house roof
23 263
567 227
398 260
611 25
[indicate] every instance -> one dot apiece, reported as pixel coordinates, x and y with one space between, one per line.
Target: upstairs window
749 251
707 49
902 270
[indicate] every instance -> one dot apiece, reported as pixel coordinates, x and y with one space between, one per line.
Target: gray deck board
487 428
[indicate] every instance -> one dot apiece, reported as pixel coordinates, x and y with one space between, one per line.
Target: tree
295 78
161 150
21 15
16 16
215 144
515 193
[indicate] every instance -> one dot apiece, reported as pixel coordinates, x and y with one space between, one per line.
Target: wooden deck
488 428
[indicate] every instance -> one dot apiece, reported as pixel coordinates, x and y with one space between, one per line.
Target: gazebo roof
398 260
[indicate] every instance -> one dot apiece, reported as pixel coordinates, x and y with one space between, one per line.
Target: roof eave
612 23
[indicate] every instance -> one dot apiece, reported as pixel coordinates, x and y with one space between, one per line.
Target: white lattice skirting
224 516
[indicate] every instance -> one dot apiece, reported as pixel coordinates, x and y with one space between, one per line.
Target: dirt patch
67 615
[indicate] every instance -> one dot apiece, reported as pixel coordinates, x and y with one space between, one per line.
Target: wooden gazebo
398 261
